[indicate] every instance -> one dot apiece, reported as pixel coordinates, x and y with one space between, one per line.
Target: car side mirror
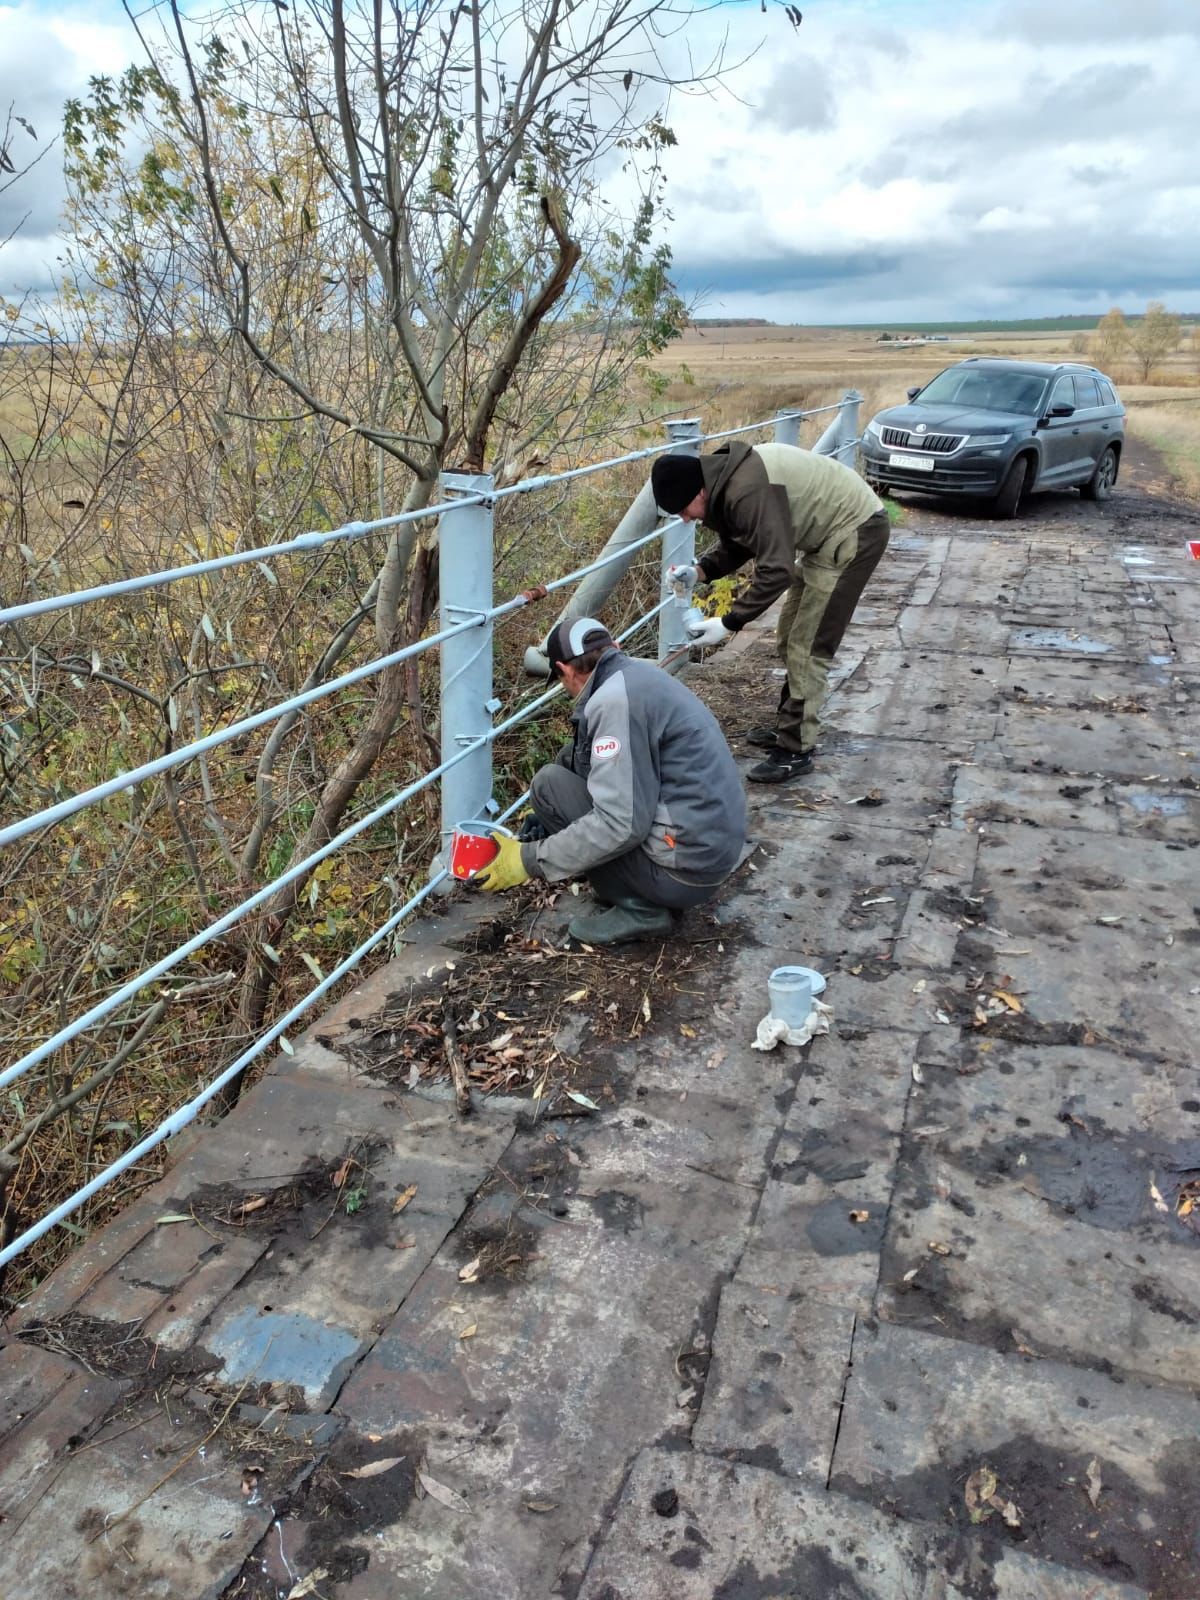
1062 411
914 391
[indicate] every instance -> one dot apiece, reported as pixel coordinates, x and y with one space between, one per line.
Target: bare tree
451 155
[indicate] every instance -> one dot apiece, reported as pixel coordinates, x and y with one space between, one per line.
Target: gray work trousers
561 797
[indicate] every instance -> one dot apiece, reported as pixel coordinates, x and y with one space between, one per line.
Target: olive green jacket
773 504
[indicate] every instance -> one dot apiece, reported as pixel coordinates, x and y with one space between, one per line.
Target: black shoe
781 766
764 736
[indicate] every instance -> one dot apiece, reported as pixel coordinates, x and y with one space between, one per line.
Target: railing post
678 545
787 428
848 417
465 564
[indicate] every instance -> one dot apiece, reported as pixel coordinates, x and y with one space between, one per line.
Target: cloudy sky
889 160
928 159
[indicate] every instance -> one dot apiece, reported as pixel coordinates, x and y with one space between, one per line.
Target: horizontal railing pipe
178 1120
109 1004
468 619
187 1113
259 719
316 539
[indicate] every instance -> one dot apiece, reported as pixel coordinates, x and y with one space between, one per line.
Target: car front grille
942 443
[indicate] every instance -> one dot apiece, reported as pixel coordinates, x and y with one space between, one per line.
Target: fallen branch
458 1070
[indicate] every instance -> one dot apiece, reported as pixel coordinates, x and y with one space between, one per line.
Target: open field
727 374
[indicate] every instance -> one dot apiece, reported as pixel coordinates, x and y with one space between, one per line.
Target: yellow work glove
507 870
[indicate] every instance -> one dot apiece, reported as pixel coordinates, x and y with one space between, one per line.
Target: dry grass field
727 375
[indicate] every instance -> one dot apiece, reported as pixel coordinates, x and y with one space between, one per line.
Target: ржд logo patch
605 749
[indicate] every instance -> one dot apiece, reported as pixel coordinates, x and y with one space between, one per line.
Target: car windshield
985 390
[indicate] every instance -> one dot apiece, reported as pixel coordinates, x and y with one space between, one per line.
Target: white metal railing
468 612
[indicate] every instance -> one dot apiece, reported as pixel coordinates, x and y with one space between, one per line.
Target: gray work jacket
660 776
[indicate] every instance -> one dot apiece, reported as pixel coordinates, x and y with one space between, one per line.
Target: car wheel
1006 502
1100 485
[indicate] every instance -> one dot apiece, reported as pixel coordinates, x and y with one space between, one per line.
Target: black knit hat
676 481
574 637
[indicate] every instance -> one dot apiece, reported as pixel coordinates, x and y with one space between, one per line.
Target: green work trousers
816 613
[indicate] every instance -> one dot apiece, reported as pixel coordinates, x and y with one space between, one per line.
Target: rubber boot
628 919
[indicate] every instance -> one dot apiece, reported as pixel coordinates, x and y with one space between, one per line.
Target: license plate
914 463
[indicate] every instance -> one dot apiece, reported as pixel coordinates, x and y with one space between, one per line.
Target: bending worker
812 527
645 801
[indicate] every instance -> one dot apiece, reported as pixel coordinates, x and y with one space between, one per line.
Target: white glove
688 576
712 631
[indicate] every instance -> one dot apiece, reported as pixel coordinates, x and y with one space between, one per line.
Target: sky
887 161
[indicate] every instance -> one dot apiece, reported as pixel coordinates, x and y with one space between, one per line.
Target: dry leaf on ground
1093 1481
982 1497
372 1469
470 1272
450 1498
307 1585
402 1199
980 1487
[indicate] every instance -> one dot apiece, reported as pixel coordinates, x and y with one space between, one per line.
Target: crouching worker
645 801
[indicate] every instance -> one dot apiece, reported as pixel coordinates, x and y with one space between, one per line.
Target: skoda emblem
921 427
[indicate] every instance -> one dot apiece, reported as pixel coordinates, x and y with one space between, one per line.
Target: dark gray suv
1000 430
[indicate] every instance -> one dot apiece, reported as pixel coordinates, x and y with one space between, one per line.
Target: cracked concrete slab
821 1221
923 1413
1128 979
680 1533
109 1525
1084 1142
958 697
1030 799
773 1396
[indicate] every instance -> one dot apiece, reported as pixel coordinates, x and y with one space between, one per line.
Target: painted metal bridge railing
468 705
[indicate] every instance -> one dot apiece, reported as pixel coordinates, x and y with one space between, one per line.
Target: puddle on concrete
1158 805
1058 639
1160 661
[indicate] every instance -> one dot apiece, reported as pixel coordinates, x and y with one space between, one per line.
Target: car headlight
988 438
872 428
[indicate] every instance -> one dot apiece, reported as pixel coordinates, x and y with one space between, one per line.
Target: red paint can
472 847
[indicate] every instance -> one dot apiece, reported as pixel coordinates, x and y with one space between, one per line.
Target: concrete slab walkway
911 1313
